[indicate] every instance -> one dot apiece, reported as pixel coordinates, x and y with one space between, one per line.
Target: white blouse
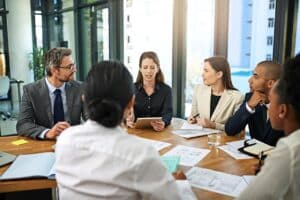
95 162
280 176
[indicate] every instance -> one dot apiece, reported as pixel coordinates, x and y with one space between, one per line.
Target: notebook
37 165
6 158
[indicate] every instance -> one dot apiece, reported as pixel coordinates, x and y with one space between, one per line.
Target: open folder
37 165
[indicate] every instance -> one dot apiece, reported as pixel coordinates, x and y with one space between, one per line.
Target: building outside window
248 43
272 4
297 46
269 40
271 22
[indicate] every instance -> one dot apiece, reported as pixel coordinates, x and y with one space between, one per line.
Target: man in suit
54 103
254 110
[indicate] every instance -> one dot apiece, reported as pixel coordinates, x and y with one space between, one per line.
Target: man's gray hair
54 57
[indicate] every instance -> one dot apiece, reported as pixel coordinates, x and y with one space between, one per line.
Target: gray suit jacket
228 104
36 114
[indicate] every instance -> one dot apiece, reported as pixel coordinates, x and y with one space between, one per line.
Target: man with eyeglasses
54 103
254 110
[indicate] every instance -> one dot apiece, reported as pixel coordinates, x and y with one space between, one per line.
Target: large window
297 47
200 37
250 38
148 27
94 38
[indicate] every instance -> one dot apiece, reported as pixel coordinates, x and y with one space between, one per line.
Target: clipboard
144 122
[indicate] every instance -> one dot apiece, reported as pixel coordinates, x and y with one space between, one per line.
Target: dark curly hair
288 87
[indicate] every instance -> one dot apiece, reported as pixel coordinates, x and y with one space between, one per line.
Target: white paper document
248 178
188 126
215 181
189 156
236 144
234 152
158 145
194 133
185 190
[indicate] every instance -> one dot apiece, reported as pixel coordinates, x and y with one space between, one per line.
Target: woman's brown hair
159 78
220 63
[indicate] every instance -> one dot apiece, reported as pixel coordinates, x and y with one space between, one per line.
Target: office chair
4 88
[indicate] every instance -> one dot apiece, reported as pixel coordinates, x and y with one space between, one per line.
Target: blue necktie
58 107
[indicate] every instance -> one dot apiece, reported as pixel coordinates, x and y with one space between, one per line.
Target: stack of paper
193 130
232 149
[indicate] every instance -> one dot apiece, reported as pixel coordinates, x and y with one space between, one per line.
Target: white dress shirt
280 175
95 162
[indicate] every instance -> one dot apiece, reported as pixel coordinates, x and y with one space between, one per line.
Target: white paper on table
195 133
189 126
185 190
215 181
189 156
234 152
237 144
158 145
248 178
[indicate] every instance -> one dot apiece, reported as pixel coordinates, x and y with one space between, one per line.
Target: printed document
189 156
158 145
215 181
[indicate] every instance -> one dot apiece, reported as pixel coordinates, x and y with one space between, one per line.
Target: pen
195 115
260 157
260 161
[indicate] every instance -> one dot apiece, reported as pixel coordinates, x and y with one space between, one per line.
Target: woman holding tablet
98 159
153 98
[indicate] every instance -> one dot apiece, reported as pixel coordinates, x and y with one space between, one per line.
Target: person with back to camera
98 159
254 109
153 98
217 100
279 177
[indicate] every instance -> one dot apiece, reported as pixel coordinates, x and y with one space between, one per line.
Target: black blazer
259 127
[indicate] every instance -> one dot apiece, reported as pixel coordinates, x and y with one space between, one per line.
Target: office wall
19 41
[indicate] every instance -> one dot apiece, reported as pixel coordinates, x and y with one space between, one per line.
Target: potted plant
37 64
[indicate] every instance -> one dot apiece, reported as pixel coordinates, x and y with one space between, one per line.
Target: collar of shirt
51 88
140 86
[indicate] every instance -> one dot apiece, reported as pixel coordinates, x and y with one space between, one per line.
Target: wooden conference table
216 159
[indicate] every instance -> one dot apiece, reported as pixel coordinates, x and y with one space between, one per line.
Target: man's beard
67 79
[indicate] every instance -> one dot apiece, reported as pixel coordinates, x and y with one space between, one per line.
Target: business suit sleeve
236 103
238 121
26 125
167 111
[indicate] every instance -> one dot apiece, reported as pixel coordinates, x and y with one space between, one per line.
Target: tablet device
6 158
144 122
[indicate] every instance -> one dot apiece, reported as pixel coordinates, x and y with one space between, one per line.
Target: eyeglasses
71 66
